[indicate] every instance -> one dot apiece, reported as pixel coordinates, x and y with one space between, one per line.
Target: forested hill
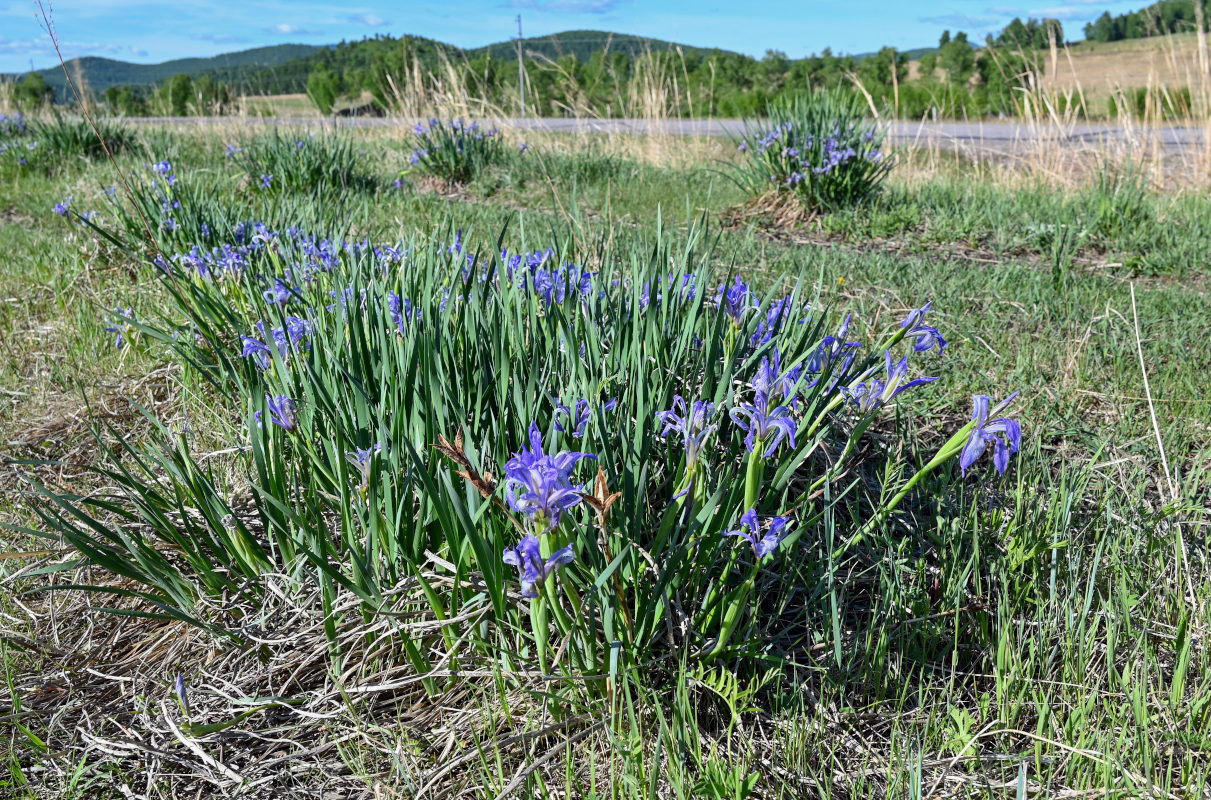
285 68
583 44
1165 16
366 55
101 73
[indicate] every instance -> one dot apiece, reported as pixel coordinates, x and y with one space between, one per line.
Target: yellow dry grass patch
1099 68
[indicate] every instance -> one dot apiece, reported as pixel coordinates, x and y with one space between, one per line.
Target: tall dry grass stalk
1066 134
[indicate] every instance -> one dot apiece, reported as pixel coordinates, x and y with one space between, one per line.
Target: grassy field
1043 633
1100 68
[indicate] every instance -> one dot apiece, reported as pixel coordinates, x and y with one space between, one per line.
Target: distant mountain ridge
101 73
285 67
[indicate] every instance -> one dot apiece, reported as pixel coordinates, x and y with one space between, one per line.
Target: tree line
956 79
1164 17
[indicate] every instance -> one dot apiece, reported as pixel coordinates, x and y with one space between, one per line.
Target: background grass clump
819 148
456 151
281 162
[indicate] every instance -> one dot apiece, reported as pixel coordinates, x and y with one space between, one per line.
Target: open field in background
277 105
1049 632
1101 68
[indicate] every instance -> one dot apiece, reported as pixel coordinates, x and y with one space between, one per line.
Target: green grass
1032 636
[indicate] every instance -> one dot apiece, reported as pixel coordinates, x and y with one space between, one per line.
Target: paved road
991 136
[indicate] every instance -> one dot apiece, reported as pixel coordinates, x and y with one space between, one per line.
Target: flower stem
752 477
949 450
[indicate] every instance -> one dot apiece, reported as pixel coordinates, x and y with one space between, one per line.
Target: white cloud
219 38
371 20
286 29
1062 12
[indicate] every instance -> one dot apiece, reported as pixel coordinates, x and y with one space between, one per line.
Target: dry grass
1101 68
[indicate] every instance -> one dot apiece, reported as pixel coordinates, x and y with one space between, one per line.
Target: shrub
819 148
456 152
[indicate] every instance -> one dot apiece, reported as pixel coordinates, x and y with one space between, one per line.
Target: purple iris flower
283 412
118 326
266 181
362 458
63 208
295 333
772 385
281 293
232 149
927 337
834 352
179 686
532 568
690 423
579 420
540 485
774 317
1004 434
258 351
750 530
872 395
735 300
766 426
342 297
401 310
162 167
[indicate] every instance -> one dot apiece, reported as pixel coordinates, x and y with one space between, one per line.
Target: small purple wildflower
363 459
401 311
690 422
281 293
258 351
927 337
266 181
118 326
182 697
283 412
579 421
735 300
768 424
534 570
873 395
750 530
539 485
1004 434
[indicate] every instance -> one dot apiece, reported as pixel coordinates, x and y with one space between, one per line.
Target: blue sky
150 31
